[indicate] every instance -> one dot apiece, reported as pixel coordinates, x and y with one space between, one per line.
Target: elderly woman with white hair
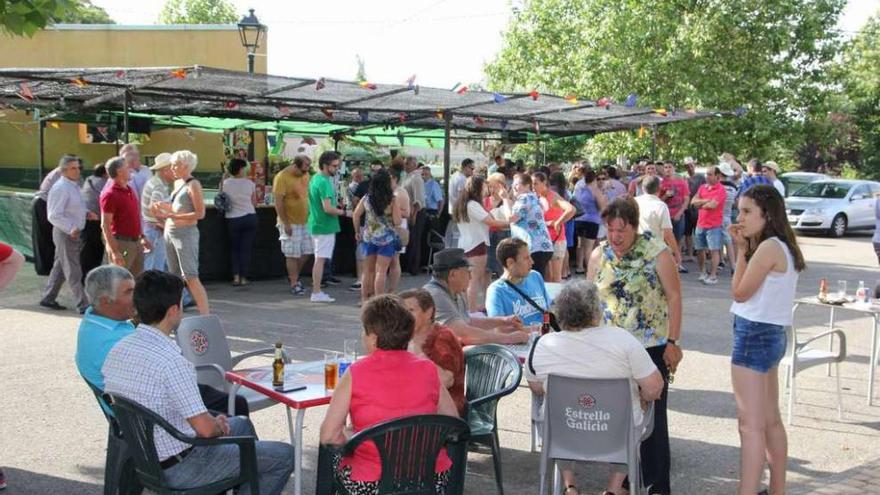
589 348
185 208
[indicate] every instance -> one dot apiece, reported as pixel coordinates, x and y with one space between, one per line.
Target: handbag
553 323
221 200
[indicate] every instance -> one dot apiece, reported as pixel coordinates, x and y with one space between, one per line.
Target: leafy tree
860 75
766 56
26 17
84 12
198 12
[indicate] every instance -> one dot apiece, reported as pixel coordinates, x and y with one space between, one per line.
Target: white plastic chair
591 420
801 356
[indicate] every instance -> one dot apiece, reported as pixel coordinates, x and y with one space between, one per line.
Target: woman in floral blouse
529 224
640 289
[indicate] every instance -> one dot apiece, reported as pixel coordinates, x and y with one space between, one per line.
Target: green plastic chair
119 475
408 447
138 424
491 372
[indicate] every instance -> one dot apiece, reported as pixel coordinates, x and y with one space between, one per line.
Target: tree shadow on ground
25 482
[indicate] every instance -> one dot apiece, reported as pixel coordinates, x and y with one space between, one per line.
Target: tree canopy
859 70
198 12
26 17
766 58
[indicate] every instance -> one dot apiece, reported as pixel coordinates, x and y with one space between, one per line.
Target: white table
872 310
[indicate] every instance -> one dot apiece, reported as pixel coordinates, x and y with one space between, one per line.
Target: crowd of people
509 233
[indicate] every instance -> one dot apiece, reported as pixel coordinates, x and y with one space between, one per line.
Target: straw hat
162 160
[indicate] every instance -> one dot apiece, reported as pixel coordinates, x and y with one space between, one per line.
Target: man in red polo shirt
121 220
709 235
675 193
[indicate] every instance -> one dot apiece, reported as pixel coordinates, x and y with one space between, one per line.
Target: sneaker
52 305
356 287
682 269
710 280
322 297
703 277
332 280
298 290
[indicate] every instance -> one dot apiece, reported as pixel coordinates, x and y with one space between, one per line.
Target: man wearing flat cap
448 287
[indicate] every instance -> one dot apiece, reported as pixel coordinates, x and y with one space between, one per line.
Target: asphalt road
52 435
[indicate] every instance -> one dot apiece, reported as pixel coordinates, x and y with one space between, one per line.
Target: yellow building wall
118 46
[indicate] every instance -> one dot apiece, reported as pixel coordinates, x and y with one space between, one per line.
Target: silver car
833 206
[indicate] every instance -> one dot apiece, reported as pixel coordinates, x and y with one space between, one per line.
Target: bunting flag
740 111
411 82
230 105
364 116
79 82
571 99
327 113
642 132
458 88
120 73
479 120
401 117
25 92
439 114
534 94
54 125
367 85
503 125
601 102
179 73
319 84
284 110
536 126
400 137
499 98
661 111
631 100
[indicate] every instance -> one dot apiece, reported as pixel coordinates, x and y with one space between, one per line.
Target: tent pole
653 143
42 152
125 108
336 142
447 144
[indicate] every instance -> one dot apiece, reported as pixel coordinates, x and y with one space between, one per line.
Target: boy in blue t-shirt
504 300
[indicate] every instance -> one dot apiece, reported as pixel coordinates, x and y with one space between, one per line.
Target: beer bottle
278 367
545 326
823 289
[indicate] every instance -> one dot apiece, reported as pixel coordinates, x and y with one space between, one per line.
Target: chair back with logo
591 420
203 341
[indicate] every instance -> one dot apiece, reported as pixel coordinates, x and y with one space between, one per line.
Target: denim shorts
710 239
388 250
757 346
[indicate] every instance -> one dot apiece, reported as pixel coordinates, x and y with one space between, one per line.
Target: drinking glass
841 288
349 355
331 370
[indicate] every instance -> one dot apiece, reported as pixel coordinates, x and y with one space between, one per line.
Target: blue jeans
156 258
242 231
206 465
678 227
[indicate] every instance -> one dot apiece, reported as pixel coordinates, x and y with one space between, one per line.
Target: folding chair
799 356
591 420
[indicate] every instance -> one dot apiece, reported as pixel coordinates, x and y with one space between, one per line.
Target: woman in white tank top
763 289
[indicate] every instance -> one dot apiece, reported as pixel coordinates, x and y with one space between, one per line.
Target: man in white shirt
139 173
67 213
771 170
654 215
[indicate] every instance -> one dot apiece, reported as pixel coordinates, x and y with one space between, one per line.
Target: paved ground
52 435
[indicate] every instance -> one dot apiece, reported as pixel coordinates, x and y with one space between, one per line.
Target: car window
861 192
875 189
830 190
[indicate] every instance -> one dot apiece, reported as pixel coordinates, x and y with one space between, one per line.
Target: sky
442 42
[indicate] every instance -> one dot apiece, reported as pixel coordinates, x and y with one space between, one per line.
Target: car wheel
838 226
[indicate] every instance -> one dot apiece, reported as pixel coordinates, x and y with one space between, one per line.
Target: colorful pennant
571 99
319 84
25 92
79 82
327 112
479 120
179 73
661 111
367 85
230 105
458 88
631 100
439 114
401 117
284 110
411 82
499 98
604 102
120 73
642 132
54 125
534 94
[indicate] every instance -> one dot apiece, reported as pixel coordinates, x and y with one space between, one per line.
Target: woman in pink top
557 211
389 383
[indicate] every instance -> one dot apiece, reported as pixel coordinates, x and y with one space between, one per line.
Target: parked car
796 180
833 206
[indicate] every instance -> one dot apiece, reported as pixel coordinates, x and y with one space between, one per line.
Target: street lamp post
250 30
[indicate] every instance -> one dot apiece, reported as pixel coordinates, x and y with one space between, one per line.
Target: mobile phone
290 388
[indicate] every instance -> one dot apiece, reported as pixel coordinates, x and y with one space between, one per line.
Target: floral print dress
531 226
631 291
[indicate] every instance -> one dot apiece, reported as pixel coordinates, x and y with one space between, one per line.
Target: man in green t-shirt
323 221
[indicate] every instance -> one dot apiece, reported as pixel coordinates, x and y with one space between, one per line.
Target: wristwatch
673 342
